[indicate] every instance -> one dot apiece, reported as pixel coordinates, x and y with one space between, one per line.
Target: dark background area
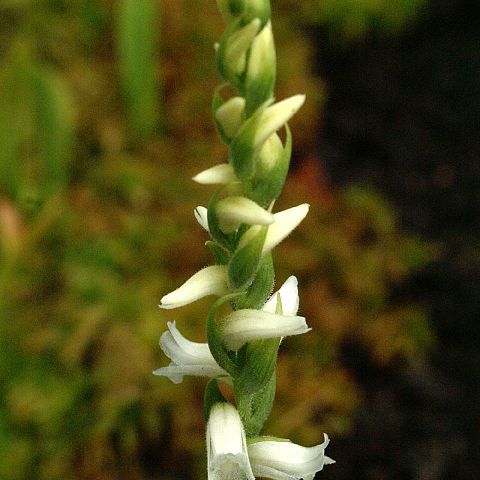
403 114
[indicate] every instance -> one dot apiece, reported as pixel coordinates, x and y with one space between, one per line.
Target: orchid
246 323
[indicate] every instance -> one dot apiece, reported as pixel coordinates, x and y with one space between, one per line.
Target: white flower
232 211
211 280
222 174
242 326
188 358
284 460
230 115
226 445
285 222
275 116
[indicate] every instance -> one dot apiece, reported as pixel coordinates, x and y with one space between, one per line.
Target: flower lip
188 358
282 460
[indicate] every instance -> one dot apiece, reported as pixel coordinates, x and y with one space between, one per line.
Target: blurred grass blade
54 128
137 22
15 102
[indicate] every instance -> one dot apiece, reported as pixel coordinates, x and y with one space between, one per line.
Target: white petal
275 116
188 358
208 281
226 445
232 211
230 115
242 326
222 174
285 223
182 351
289 296
201 217
288 458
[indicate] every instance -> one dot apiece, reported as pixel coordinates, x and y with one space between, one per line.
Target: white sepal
285 222
226 445
211 280
201 217
188 358
222 174
242 326
230 115
275 116
284 460
289 298
232 211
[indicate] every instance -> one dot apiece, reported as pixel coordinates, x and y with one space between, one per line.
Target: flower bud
232 53
230 116
261 70
222 174
233 211
211 280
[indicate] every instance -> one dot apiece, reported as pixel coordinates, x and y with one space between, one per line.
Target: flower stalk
243 343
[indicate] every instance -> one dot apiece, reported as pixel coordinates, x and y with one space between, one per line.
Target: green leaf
261 287
259 364
254 409
242 150
217 102
220 254
246 261
227 241
136 35
224 357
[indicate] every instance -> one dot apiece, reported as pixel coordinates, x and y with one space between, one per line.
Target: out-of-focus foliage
353 19
93 232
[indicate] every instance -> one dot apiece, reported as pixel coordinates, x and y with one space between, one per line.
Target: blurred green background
105 117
